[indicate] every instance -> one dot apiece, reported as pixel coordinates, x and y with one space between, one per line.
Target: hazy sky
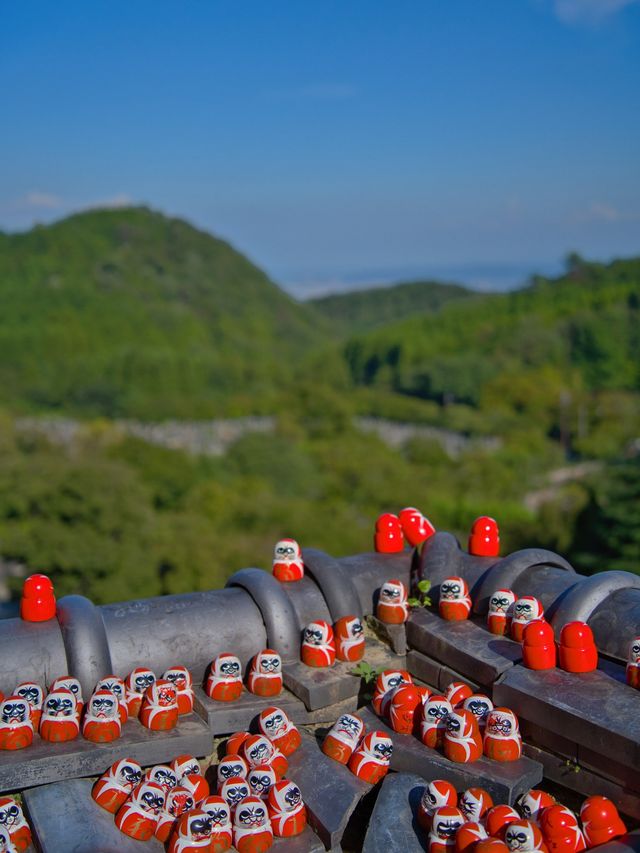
335 140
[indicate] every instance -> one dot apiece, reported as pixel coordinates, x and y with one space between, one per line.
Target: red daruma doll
370 761
34 695
445 824
162 775
16 728
457 692
232 766
633 663
181 679
72 684
600 821
462 740
415 526
224 683
388 538
252 831
261 780
192 833
533 802
38 602
287 812
386 682
525 610
275 725
484 539
115 685
179 800
523 836
560 830
101 723
349 635
501 611
197 785
318 646
135 684
402 708
433 725
455 603
159 710
538 645
498 818
343 738
393 607
114 787
265 674
474 803
259 750
233 791
183 765
233 744
468 836
59 720
502 740
480 706
577 649
138 817
287 561
438 793
221 829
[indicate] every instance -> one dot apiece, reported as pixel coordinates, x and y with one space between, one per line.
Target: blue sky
342 141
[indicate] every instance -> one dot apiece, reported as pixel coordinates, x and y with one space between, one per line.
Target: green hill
363 310
588 321
130 313
561 356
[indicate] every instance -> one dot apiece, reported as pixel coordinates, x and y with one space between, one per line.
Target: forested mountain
128 312
530 352
362 310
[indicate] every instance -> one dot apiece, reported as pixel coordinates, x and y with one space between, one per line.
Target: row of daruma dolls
410 526
507 615
469 822
174 803
521 618
321 646
61 715
576 651
463 724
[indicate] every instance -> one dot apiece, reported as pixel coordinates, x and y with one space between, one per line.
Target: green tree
607 533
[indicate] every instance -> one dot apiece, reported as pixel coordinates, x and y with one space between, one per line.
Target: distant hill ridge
362 310
578 332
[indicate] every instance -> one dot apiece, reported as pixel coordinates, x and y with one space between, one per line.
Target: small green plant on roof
365 671
368 674
572 764
422 599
